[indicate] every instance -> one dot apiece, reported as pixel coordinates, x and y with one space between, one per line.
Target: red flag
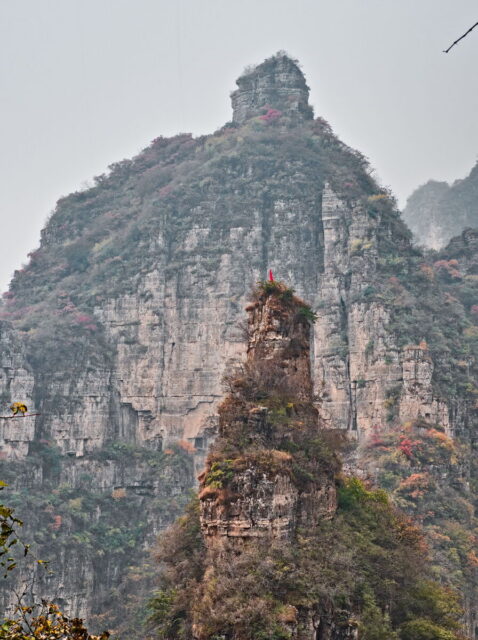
271 277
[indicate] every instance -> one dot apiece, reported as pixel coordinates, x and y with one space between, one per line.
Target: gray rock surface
278 83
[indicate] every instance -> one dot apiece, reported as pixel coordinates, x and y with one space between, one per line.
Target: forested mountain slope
119 331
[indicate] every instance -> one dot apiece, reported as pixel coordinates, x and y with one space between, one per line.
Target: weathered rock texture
257 496
16 381
436 211
128 314
262 498
357 360
279 84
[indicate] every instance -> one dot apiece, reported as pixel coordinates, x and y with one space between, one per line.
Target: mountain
129 314
436 211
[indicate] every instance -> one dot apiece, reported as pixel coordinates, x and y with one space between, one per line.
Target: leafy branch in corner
38 621
8 536
45 622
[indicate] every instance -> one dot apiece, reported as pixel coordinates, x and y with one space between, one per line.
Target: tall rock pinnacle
277 83
252 492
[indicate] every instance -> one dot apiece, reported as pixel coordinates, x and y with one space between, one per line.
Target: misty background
84 83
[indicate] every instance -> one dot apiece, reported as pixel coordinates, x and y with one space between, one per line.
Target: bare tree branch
27 415
461 38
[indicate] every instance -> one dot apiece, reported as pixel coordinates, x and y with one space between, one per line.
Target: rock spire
253 492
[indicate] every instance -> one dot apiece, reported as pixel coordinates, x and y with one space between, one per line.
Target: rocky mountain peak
277 84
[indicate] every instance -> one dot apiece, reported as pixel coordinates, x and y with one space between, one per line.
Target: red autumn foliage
406 446
86 321
448 268
271 116
376 439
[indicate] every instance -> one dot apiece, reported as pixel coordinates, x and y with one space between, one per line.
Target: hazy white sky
84 83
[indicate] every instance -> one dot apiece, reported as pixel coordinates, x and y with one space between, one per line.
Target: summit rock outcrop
276 85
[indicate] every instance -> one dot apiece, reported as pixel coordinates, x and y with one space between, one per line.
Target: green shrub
374 623
307 313
220 474
424 629
352 494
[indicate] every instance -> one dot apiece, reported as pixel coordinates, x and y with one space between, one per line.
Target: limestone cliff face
92 518
422 214
164 315
357 361
164 381
128 316
16 384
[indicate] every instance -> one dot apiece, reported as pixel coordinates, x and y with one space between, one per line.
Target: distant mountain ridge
437 211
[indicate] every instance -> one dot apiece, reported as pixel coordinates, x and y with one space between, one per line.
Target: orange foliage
427 272
442 437
450 267
208 492
220 496
408 532
415 485
472 559
187 446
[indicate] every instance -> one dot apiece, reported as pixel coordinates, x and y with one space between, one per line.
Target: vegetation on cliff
426 473
32 620
99 243
360 563
87 528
